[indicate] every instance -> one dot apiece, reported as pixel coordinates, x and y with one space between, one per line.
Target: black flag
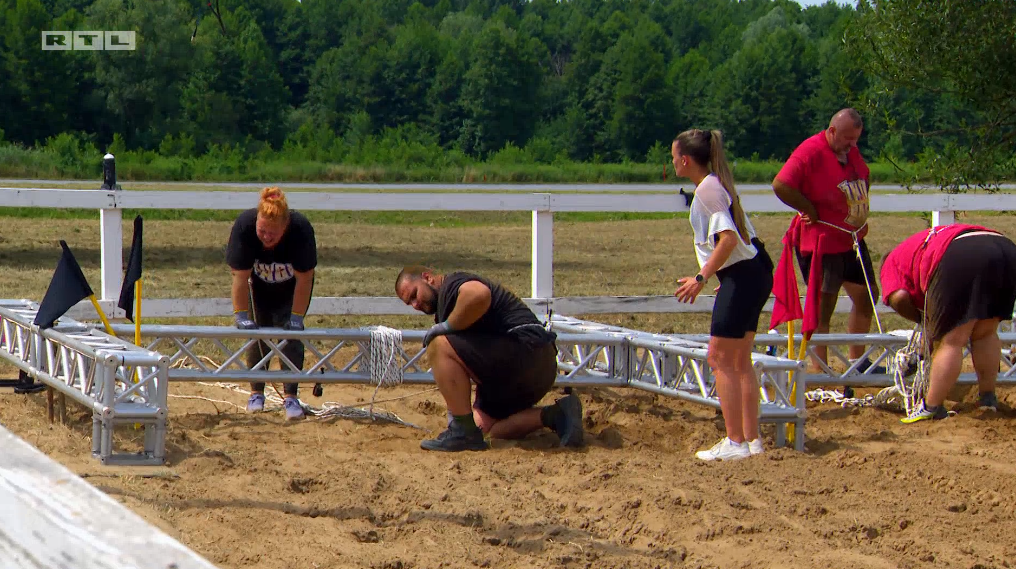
67 288
133 272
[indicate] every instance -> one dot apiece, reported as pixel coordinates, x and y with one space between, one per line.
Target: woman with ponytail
726 246
272 254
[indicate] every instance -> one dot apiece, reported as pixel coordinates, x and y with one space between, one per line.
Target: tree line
440 83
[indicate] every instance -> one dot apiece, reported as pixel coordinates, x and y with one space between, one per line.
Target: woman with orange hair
272 254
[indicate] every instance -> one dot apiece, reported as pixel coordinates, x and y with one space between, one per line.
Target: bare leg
985 347
827 305
946 362
749 388
451 375
516 426
861 313
722 358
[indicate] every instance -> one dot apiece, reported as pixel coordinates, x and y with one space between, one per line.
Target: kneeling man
959 282
485 334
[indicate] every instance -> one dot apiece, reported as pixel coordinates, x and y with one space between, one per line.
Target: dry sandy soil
255 492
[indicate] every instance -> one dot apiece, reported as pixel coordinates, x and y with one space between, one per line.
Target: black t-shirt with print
507 313
272 271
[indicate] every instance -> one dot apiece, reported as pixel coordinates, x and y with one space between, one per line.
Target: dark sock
549 415
466 422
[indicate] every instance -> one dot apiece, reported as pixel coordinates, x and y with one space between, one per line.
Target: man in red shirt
957 281
826 181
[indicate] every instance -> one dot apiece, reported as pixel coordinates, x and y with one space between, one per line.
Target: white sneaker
755 446
726 449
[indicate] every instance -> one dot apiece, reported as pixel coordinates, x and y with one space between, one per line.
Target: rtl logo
88 41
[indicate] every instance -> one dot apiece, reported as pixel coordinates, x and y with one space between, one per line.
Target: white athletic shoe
755 446
726 449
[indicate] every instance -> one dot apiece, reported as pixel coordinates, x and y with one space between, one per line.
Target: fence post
111 239
543 251
943 218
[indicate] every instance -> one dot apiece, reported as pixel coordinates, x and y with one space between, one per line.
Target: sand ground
256 492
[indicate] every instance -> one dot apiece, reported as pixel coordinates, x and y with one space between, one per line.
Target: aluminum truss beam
339 355
120 383
880 348
675 366
590 354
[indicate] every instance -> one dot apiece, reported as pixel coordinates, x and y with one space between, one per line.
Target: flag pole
137 313
102 315
137 325
801 354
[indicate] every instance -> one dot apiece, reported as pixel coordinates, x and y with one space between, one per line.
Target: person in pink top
957 281
826 181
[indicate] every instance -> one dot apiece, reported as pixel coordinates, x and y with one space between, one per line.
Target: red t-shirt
839 192
911 264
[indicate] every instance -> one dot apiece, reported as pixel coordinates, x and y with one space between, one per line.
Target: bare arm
472 303
301 295
239 292
795 199
901 302
727 241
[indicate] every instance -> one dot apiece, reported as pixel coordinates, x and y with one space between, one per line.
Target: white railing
541 200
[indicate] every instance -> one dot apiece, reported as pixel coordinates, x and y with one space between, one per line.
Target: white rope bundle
383 363
327 410
902 395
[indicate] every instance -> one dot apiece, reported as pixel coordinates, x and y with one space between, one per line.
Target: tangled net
382 363
911 372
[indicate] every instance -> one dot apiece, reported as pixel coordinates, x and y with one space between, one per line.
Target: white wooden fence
542 200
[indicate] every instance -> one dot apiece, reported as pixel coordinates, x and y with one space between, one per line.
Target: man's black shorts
838 268
511 375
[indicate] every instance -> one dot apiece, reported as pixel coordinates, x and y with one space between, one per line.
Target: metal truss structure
879 348
120 382
98 370
590 354
338 355
675 366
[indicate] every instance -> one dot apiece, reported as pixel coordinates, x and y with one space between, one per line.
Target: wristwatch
699 278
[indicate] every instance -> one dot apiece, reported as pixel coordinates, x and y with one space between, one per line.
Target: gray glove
435 331
243 320
295 322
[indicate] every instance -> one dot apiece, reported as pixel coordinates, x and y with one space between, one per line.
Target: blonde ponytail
718 164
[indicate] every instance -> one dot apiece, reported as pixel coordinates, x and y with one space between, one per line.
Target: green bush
401 154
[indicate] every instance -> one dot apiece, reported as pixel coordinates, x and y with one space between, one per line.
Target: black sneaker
987 401
568 425
456 439
876 370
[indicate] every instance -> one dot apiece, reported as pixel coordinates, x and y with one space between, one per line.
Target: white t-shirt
709 215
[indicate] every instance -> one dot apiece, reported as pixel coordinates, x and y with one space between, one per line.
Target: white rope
383 364
909 359
903 395
864 268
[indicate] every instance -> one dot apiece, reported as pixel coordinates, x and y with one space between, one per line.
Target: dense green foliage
540 90
944 74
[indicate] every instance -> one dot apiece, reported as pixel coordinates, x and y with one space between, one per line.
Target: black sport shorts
838 268
511 375
744 289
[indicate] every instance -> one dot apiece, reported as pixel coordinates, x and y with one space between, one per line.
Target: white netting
910 369
910 362
383 363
